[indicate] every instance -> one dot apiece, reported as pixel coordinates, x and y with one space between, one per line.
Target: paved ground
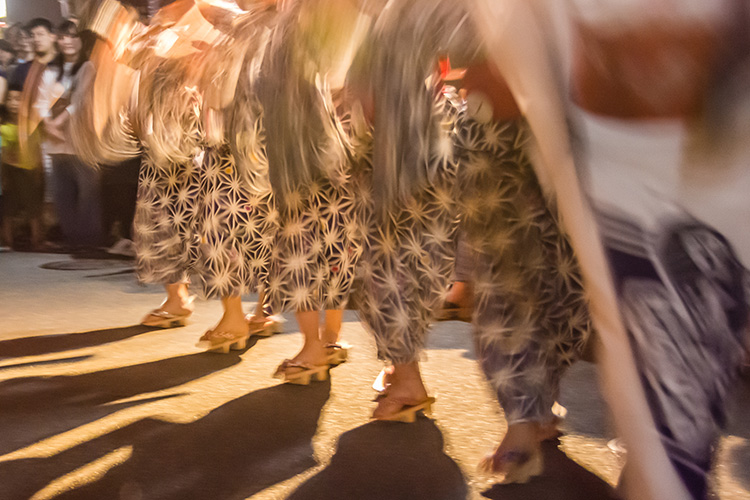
93 407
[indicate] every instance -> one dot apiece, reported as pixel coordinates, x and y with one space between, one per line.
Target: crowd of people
314 151
52 201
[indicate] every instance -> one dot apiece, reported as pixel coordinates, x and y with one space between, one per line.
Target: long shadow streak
238 449
46 362
388 460
35 408
563 479
46 344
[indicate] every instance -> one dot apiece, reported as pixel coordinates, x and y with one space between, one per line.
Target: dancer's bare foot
549 431
176 307
405 389
459 303
231 331
312 359
518 458
232 324
313 353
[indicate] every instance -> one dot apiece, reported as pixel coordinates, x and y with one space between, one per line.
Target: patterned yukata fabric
169 196
204 217
316 248
235 228
168 202
408 254
530 313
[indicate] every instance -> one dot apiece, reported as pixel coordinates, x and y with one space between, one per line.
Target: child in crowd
23 188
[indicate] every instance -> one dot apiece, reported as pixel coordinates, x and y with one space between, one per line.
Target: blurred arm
515 39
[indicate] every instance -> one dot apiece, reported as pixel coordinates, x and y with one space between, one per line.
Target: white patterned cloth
203 217
408 252
167 205
530 313
317 246
235 229
315 250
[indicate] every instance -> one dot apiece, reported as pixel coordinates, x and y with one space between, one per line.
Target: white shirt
50 90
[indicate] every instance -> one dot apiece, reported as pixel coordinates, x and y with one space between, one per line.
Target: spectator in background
23 191
76 186
119 193
7 57
28 76
7 63
20 41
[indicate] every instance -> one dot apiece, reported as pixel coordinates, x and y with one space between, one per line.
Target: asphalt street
93 406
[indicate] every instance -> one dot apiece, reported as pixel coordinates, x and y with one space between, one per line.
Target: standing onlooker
7 58
20 41
28 76
75 185
23 191
119 190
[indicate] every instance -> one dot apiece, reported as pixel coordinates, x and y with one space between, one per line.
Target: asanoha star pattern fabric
235 227
316 248
197 212
204 217
317 245
530 313
408 252
167 204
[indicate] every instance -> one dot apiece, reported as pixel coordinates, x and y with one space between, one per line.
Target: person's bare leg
259 322
35 225
233 319
519 454
329 333
256 321
521 437
178 299
460 293
259 314
406 388
177 302
8 232
313 351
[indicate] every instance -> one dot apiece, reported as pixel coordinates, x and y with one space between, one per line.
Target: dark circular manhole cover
87 264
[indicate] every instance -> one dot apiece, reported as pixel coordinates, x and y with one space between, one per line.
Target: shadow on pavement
46 344
563 479
239 449
47 362
388 460
35 408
